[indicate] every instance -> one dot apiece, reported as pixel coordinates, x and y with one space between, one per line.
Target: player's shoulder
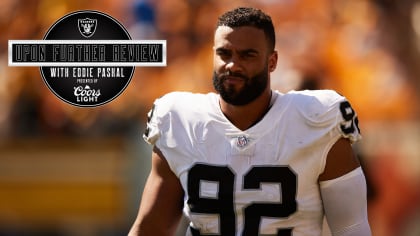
177 97
182 107
182 102
316 105
319 98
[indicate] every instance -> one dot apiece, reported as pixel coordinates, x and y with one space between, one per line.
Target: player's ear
272 61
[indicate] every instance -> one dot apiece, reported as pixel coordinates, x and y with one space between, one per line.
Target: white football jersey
260 181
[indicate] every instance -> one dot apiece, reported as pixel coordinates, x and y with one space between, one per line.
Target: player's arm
343 190
162 201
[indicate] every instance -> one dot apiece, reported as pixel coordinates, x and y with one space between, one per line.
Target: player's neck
244 117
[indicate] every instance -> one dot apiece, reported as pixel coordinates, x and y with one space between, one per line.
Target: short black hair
248 16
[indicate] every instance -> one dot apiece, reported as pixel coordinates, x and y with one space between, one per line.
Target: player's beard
253 87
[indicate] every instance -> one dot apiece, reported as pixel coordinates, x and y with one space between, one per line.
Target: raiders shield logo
87 27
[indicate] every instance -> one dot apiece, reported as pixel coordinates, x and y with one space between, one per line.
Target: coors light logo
86 94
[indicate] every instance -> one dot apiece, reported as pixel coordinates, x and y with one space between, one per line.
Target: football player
249 160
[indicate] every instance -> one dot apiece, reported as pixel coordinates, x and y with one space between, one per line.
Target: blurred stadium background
79 171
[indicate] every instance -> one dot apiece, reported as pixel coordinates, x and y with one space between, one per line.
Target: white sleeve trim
351 174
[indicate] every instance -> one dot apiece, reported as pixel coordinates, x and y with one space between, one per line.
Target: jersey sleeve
326 109
169 128
167 125
156 119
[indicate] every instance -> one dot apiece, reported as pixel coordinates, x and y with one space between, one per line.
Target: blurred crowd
367 50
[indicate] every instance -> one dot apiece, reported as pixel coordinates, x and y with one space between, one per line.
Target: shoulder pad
327 108
317 106
166 108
